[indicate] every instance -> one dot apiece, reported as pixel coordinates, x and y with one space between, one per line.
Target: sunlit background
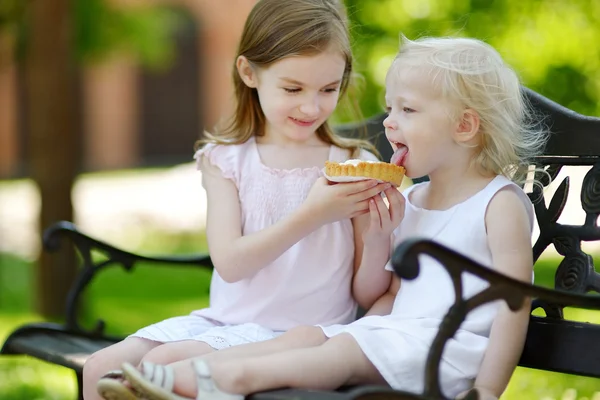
143 79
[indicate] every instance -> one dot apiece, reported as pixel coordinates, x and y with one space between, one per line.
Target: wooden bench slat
363 392
68 350
562 346
288 394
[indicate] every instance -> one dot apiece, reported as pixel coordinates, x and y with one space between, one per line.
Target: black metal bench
553 343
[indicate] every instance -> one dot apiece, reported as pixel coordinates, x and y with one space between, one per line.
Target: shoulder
224 158
508 226
510 201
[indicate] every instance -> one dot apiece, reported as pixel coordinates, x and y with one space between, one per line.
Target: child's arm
509 238
371 280
370 277
238 256
384 305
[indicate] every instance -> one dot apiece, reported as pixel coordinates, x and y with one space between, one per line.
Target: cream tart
392 172
382 171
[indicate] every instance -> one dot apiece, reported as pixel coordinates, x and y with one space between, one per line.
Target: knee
112 357
304 336
96 365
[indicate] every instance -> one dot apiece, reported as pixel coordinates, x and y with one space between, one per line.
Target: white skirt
215 334
398 350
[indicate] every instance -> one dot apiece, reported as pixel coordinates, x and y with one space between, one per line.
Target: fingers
370 192
349 188
397 204
384 213
358 214
374 214
360 208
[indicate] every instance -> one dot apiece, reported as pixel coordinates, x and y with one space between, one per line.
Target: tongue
398 156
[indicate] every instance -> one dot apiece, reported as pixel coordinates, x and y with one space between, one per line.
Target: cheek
329 104
274 104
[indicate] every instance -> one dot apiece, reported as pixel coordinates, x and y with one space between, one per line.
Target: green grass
129 301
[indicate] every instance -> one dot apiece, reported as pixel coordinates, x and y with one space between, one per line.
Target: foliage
552 44
101 30
11 11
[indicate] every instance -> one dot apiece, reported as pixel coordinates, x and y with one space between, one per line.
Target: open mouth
400 152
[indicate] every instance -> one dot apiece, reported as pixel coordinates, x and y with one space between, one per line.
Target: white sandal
207 389
155 382
111 387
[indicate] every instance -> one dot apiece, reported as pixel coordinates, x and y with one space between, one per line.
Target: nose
389 123
310 106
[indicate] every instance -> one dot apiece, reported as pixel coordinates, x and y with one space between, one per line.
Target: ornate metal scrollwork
576 272
590 191
573 273
566 244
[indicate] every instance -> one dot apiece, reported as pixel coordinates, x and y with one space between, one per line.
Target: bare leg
175 351
297 338
336 362
110 358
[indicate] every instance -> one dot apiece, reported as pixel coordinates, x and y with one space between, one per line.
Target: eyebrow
295 82
401 98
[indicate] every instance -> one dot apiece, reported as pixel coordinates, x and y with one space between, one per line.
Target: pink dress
309 284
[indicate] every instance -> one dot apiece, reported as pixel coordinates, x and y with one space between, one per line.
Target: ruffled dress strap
225 157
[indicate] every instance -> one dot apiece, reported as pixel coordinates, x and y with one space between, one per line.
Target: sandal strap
114 374
160 375
203 378
207 389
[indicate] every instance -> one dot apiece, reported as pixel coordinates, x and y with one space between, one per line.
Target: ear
246 72
468 127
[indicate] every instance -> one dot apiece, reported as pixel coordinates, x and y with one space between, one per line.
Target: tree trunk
53 150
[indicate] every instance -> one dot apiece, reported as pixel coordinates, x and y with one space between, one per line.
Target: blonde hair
277 29
474 76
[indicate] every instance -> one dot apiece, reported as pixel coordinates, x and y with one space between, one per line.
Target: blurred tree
552 43
52 142
54 36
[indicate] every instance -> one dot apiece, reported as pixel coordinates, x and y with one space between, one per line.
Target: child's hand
327 202
383 221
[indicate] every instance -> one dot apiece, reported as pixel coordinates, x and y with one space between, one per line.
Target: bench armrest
85 246
405 261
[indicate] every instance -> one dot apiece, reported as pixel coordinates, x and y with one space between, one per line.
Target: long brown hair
276 29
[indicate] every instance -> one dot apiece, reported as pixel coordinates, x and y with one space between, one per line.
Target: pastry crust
375 170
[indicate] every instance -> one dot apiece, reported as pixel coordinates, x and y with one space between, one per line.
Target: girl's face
297 94
419 125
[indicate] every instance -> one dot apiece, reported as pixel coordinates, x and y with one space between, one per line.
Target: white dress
398 344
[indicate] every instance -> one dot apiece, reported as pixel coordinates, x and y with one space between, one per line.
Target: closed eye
292 90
